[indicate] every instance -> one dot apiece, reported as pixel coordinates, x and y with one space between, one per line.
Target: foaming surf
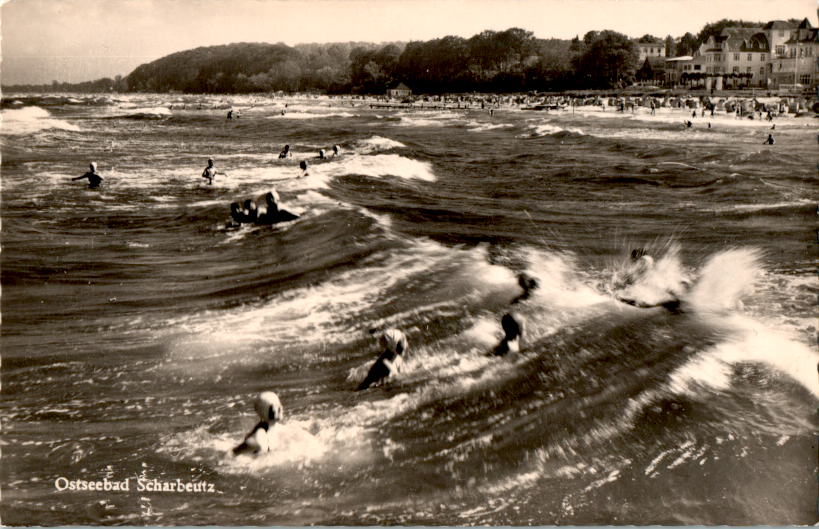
28 120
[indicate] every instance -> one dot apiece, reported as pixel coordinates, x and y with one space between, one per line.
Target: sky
81 40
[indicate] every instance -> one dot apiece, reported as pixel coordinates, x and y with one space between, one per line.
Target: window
699 67
762 57
804 79
736 69
762 71
750 57
749 70
718 57
736 56
780 50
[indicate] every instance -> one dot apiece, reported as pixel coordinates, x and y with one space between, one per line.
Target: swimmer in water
274 213
210 172
285 153
322 155
303 166
94 179
270 411
395 345
528 284
236 216
336 151
250 211
512 325
641 264
769 141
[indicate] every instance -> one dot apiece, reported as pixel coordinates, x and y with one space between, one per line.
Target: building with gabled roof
798 64
399 91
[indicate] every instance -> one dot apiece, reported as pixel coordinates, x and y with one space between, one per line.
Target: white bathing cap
269 407
394 340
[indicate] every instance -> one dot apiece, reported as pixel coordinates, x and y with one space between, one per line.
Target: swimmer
94 179
230 114
210 172
303 166
270 411
688 124
285 153
274 213
322 155
641 264
769 141
395 345
528 284
512 325
336 151
236 215
250 211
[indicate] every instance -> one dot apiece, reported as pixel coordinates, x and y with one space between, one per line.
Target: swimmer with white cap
270 411
273 213
395 345
94 180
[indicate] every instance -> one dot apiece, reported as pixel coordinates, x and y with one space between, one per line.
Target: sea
138 327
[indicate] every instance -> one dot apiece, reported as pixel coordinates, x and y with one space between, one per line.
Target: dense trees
491 61
609 59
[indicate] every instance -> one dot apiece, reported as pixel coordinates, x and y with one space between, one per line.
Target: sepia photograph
409 263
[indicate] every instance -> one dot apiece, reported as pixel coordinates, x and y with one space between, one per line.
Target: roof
779 24
742 39
805 24
804 35
401 86
683 58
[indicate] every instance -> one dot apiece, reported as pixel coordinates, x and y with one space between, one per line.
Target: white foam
311 115
376 144
724 279
382 165
28 120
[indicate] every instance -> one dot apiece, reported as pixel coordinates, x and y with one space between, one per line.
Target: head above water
272 199
527 282
269 407
303 165
93 166
637 253
210 162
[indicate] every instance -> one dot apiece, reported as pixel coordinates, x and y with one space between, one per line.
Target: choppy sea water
136 329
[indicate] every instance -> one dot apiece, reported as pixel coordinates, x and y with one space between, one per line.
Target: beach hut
399 91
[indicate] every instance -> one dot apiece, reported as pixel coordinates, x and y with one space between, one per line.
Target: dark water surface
137 330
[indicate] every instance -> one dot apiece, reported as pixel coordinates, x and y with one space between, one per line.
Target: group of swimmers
394 346
250 212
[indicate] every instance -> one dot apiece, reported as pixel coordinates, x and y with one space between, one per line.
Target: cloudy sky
80 40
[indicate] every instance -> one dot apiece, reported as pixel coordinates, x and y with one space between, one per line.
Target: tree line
513 60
